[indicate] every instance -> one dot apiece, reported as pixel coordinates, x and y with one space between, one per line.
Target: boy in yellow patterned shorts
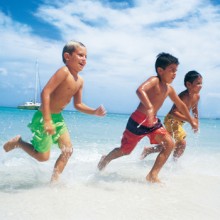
175 119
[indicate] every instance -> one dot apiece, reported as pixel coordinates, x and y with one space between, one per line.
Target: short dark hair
70 47
164 60
191 76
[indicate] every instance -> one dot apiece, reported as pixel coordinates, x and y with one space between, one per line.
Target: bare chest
158 93
68 88
191 103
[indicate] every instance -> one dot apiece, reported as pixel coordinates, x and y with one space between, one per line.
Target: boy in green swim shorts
48 125
41 140
174 120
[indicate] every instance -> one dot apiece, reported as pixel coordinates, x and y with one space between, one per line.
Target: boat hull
28 107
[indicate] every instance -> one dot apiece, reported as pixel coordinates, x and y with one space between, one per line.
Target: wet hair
191 76
70 47
164 60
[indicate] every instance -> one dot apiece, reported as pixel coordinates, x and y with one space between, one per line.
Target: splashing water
190 188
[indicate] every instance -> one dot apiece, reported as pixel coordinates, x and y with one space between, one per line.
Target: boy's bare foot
145 152
55 177
102 163
152 179
12 144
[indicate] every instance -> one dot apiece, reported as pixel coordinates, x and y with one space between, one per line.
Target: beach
190 187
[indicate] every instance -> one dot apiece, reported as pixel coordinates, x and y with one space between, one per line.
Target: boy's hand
49 128
151 117
100 111
195 125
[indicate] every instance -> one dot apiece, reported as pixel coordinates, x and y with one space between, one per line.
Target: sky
122 38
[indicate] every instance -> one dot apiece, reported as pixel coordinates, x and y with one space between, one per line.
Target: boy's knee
67 151
122 152
171 145
43 157
126 153
168 144
183 143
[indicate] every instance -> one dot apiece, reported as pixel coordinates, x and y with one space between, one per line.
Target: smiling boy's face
195 86
168 74
77 59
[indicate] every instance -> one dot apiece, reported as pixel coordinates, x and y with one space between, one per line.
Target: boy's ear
159 70
188 84
66 56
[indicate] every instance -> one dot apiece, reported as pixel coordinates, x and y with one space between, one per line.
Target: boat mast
36 80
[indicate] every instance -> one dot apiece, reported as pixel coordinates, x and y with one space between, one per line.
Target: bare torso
190 100
64 92
156 95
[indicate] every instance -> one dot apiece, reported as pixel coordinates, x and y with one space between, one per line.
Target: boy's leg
17 142
12 143
117 152
168 145
179 149
128 143
150 150
66 152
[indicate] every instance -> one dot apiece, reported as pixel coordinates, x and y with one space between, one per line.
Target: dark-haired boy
174 120
143 122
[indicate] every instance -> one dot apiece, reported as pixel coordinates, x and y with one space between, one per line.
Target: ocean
190 188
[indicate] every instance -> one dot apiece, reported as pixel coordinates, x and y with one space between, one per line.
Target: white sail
33 105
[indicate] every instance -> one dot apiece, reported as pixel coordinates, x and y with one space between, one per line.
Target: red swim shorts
135 132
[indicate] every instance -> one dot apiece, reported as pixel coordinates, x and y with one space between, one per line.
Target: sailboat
33 105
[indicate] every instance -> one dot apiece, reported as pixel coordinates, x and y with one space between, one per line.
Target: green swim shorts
41 140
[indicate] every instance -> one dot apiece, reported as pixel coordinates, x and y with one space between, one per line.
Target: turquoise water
190 189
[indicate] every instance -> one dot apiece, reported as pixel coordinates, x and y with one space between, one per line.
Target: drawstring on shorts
142 122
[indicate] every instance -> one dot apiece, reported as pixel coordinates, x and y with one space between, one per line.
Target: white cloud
3 72
213 95
122 43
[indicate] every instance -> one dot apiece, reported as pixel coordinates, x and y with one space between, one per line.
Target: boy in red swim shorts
143 122
137 128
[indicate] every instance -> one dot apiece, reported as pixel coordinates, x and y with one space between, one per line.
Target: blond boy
48 125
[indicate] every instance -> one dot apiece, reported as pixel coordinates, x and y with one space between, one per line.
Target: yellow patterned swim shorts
42 141
175 127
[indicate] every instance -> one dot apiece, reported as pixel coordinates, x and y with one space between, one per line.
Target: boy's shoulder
184 93
154 79
63 70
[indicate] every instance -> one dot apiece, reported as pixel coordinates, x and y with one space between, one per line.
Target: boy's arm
175 111
195 112
179 115
182 117
195 108
80 106
180 105
142 94
52 84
